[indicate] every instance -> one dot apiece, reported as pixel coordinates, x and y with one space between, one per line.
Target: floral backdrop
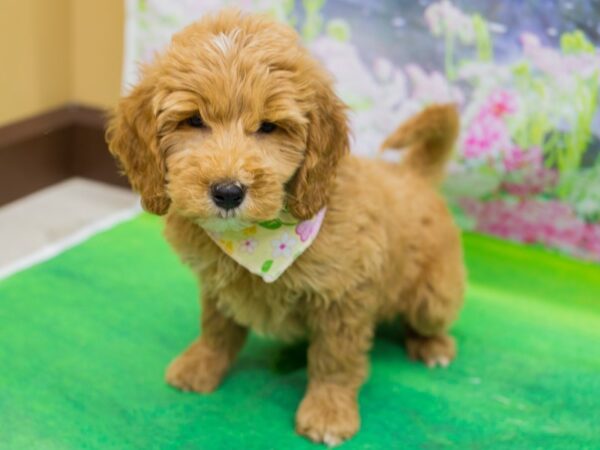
525 74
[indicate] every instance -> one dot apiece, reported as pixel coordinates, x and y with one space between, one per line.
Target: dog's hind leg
432 309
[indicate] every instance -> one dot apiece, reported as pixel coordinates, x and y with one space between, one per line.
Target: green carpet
85 338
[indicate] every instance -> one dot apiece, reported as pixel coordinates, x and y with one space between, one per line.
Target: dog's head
236 120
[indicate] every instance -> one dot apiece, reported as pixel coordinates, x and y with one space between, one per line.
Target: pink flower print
557 64
517 158
500 104
548 222
484 136
431 87
592 240
531 182
487 133
248 245
284 245
307 228
513 159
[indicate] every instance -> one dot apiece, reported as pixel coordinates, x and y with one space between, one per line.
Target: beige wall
58 51
35 68
96 50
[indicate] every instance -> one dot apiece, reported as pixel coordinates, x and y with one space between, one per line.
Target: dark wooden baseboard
47 148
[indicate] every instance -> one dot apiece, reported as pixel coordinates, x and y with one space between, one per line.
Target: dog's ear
327 142
132 139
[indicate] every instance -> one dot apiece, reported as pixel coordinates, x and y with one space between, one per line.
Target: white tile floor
37 226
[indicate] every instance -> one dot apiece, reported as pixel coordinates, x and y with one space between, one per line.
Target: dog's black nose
227 195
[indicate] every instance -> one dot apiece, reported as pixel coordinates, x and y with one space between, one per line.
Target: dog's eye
267 127
195 121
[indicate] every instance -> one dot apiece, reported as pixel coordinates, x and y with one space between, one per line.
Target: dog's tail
430 136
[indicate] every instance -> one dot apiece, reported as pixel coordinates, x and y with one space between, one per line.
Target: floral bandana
268 248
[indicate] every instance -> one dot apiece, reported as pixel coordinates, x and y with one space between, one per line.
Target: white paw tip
440 361
331 441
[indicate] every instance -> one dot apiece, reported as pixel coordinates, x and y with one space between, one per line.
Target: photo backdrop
524 73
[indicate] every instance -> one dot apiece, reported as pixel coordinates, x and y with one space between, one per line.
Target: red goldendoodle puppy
236 123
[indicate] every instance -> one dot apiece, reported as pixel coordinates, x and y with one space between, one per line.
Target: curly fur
387 247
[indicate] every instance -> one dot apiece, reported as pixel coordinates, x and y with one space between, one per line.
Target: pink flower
248 245
283 246
558 65
500 104
591 239
547 222
485 134
432 86
307 228
531 182
517 158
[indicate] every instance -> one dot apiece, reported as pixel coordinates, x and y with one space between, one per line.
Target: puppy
235 125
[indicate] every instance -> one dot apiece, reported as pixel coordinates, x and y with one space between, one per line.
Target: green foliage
271 224
483 41
583 191
521 70
566 149
449 64
462 219
339 30
576 42
288 6
284 11
266 266
313 20
313 6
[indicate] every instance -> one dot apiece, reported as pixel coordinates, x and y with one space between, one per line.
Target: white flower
248 245
383 68
284 245
445 17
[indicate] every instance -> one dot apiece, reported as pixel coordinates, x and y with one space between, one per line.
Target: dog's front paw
433 351
328 414
198 369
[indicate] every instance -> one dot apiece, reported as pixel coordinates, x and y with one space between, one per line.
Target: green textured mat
85 338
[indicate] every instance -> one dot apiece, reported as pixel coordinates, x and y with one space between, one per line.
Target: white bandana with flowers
268 248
